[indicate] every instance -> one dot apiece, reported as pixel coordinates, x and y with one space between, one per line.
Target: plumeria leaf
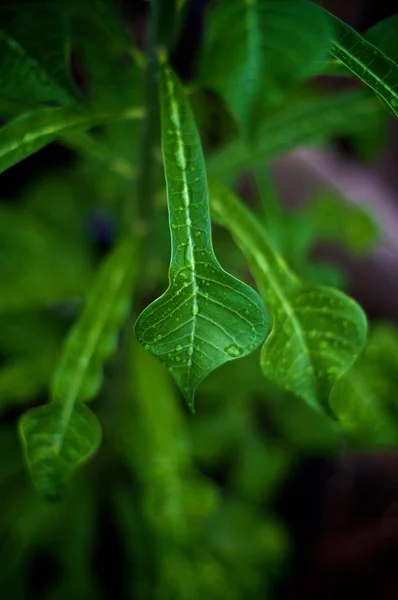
206 317
317 332
64 433
268 46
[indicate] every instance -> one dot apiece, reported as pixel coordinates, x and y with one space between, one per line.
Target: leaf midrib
177 121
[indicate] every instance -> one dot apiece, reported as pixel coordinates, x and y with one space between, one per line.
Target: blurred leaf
34 49
267 47
317 331
61 435
177 326
32 131
384 35
366 61
37 266
364 398
306 120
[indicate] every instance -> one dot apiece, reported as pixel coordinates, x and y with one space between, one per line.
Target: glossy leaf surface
267 46
59 436
206 317
367 62
34 45
317 332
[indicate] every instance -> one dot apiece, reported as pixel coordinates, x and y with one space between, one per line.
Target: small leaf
32 131
61 435
34 59
306 120
206 317
366 61
317 332
267 46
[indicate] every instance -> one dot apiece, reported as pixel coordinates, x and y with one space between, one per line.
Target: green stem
151 125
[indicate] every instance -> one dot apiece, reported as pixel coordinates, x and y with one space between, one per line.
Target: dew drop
174 226
147 347
252 330
198 233
178 359
190 351
178 347
251 347
184 274
246 312
233 350
195 310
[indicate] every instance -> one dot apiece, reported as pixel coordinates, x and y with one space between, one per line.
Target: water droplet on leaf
233 350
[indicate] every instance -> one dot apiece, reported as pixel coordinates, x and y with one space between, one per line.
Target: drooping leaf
309 120
34 54
317 332
206 317
366 61
32 131
364 398
59 436
384 35
267 47
37 267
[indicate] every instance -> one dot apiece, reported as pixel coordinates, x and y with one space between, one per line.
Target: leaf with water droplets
64 433
206 317
366 61
317 332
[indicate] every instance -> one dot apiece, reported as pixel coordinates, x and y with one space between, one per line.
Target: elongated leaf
206 317
367 62
61 435
301 121
317 332
32 131
34 57
267 46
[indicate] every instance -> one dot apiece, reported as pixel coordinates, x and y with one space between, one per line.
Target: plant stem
151 126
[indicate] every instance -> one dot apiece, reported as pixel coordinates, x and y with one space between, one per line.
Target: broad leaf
267 47
206 317
32 131
59 436
309 120
34 49
366 61
317 332
364 398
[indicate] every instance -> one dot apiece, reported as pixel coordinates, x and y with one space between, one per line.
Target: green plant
252 98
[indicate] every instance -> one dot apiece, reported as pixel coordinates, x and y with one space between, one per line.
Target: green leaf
267 46
61 435
364 398
206 317
306 120
34 48
367 62
317 332
384 35
32 131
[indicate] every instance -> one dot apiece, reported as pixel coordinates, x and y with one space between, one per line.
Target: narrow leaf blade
59 436
206 317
